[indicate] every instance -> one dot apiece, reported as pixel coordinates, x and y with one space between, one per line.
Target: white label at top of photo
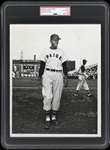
54 11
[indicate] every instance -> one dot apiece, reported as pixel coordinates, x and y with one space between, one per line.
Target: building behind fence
30 68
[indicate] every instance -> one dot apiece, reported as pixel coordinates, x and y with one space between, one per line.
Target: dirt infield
76 115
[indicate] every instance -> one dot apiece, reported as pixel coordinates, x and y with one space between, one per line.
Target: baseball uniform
82 76
52 77
53 60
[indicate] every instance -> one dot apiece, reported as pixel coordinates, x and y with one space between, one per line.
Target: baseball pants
52 90
82 84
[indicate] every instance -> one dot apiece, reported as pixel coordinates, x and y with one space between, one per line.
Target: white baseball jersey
52 81
53 58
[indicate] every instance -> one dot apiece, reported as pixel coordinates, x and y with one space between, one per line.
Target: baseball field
77 115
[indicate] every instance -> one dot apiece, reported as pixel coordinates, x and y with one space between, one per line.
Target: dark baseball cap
84 60
53 36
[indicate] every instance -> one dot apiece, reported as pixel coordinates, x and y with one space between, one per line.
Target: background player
53 68
82 76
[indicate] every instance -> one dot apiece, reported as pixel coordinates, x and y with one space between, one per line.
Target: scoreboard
29 67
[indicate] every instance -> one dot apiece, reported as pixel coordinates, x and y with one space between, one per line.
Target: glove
39 82
65 81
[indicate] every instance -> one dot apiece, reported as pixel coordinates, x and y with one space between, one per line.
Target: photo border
98 95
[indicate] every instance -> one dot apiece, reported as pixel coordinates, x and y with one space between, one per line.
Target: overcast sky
78 41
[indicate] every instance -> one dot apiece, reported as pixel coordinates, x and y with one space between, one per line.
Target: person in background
82 76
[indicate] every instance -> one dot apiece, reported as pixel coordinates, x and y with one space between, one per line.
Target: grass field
32 82
76 115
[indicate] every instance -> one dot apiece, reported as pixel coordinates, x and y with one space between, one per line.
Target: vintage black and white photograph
55 80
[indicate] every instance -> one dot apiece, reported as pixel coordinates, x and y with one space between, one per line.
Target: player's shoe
76 94
55 122
47 124
89 94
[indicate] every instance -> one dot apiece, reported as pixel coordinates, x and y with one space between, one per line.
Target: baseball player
53 73
82 76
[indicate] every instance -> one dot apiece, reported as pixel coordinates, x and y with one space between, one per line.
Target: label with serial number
55 11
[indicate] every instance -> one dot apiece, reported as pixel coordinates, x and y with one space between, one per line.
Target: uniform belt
54 70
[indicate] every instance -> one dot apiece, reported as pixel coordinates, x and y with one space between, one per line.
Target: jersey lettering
47 56
57 55
53 55
60 58
50 55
